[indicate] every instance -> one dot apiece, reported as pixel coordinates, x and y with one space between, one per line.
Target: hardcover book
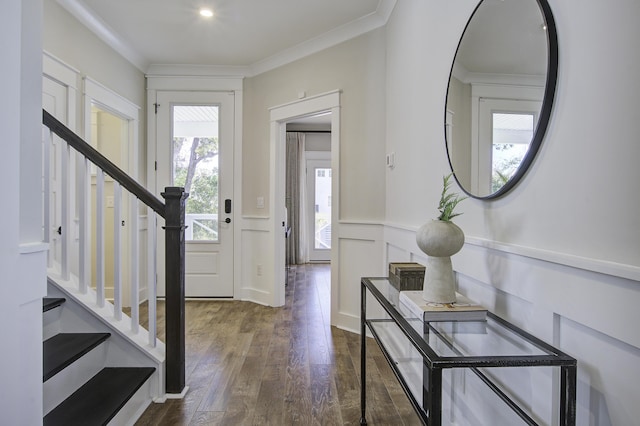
463 309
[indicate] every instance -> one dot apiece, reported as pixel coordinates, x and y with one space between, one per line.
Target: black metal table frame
430 412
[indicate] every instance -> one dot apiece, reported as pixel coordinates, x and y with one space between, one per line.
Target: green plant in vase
440 239
448 201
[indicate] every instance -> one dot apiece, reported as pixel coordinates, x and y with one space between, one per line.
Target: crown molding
353 29
331 38
94 23
195 70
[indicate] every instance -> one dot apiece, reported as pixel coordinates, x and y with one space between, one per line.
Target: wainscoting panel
255 262
359 254
588 309
607 372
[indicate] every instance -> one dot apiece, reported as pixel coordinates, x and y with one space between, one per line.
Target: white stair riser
134 408
51 324
119 350
63 384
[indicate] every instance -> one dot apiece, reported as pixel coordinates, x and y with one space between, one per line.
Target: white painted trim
251 217
108 100
237 187
600 266
279 115
180 395
347 322
27 248
506 91
232 85
182 82
58 70
99 27
256 296
331 38
292 110
462 74
105 315
190 70
614 269
362 222
112 100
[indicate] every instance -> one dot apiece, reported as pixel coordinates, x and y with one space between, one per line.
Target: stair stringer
125 349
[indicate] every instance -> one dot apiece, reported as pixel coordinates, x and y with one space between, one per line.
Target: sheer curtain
296 193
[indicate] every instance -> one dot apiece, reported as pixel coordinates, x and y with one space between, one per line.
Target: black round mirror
500 93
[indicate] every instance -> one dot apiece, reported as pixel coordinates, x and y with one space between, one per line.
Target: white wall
357 69
106 77
560 254
68 40
21 254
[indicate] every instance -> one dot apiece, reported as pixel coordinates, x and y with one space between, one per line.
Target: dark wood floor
248 364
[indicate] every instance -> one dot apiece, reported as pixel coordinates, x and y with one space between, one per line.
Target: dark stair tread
49 303
99 400
63 349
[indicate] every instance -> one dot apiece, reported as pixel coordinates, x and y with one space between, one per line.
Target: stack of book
462 310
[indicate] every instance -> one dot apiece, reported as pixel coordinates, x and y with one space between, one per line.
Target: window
195 167
512 134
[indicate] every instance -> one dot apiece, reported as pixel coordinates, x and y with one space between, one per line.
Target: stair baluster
78 169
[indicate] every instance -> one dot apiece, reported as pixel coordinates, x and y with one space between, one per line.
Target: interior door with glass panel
319 209
505 132
194 149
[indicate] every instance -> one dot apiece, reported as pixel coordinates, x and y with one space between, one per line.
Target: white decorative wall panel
567 306
255 264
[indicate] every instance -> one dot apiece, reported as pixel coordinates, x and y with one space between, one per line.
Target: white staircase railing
79 186
75 211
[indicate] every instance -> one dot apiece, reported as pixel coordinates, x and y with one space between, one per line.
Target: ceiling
248 36
505 38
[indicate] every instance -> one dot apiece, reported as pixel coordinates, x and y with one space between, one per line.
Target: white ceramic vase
439 240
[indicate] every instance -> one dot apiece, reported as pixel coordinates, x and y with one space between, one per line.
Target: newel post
175 200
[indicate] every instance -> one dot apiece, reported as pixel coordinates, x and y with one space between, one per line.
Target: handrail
173 212
103 163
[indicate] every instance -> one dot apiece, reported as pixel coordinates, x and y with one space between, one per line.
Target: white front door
319 206
194 149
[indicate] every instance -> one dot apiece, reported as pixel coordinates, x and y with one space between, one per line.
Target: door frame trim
279 116
232 85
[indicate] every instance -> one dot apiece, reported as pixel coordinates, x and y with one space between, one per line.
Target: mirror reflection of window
499 129
507 56
512 134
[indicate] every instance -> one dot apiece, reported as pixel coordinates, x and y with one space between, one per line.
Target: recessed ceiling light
207 13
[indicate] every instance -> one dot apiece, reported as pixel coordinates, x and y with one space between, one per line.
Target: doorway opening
111 127
110 136
327 104
308 193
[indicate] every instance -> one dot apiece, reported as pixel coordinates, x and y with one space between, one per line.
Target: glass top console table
426 356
